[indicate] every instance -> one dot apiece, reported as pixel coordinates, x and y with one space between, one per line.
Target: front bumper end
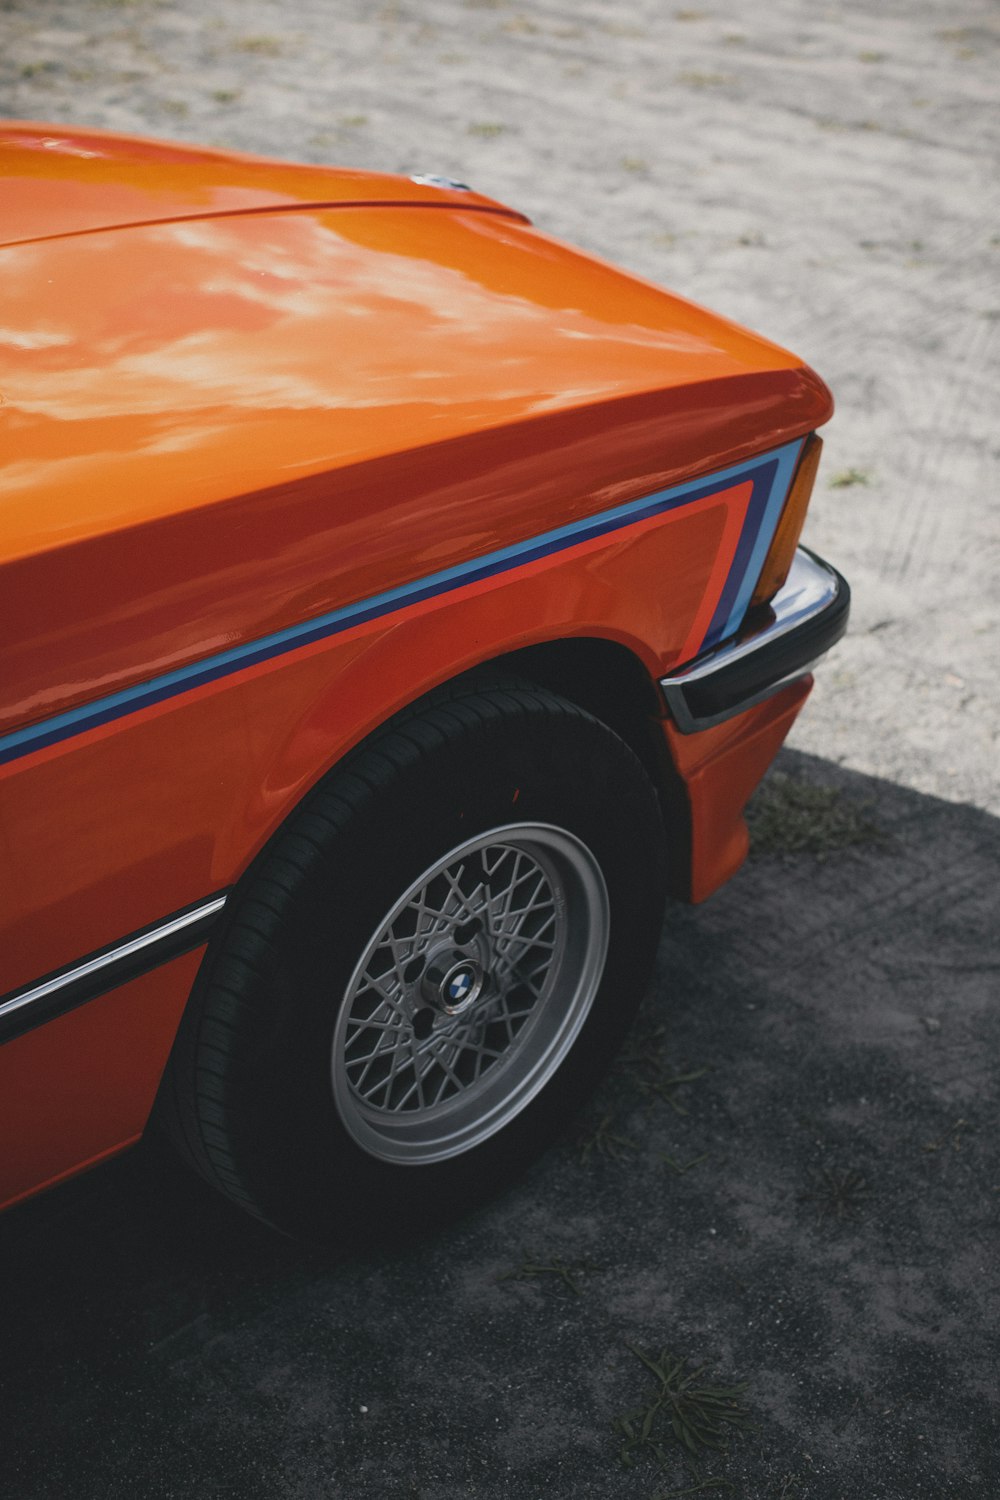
805 618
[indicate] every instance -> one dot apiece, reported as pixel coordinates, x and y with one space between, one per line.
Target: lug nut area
414 969
423 1023
452 982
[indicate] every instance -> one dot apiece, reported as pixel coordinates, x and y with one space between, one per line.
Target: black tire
267 1094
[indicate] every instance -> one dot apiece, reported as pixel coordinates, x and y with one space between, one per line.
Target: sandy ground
820 1222
826 174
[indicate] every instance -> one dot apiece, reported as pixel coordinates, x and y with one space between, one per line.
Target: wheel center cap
453 982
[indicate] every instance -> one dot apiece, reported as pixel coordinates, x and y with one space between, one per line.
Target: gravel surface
813 1212
828 175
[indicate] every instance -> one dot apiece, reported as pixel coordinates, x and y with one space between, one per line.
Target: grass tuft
664 1087
557 1273
837 1195
686 1411
952 1138
788 816
846 478
603 1141
680 1167
259 46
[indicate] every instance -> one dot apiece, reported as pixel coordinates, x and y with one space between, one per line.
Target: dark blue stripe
756 506
224 664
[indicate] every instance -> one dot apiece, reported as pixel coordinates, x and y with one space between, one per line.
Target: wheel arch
604 677
611 682
248 1080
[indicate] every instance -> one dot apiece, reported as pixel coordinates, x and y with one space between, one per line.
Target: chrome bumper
808 616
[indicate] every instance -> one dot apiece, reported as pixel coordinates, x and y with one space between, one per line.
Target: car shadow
791 1174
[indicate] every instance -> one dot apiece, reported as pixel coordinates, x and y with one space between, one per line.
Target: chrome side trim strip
104 970
808 616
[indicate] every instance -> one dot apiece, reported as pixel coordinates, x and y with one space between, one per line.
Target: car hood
60 180
225 422
148 371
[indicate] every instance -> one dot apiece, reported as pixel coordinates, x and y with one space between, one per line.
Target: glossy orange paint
219 427
137 818
56 1117
720 768
318 407
66 180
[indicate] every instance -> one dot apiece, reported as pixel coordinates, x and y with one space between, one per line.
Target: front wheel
428 970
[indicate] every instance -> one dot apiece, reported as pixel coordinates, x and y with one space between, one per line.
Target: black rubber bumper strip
808 615
107 968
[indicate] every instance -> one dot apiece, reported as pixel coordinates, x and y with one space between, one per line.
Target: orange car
397 606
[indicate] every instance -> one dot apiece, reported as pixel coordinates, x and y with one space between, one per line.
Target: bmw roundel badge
459 986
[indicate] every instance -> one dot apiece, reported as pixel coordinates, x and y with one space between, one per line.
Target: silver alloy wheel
470 993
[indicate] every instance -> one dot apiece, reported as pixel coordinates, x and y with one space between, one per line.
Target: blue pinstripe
771 477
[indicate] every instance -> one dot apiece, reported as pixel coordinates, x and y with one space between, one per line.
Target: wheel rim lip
456 1125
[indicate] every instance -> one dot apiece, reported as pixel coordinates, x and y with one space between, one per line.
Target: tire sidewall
509 763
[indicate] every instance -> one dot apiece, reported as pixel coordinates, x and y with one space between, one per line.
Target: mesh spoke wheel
427 970
469 993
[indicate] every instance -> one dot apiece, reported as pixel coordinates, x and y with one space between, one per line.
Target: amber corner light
786 537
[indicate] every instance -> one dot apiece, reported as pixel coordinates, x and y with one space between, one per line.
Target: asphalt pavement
790 1181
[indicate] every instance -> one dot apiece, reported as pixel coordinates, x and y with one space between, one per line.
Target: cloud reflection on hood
140 364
